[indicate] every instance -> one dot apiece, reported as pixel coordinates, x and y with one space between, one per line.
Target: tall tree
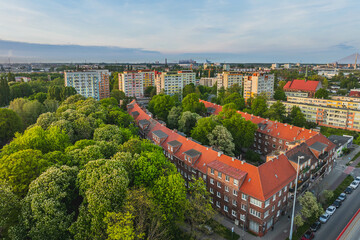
322 93
10 123
187 121
190 88
237 99
4 91
277 111
259 106
222 139
174 116
160 105
202 128
191 103
280 95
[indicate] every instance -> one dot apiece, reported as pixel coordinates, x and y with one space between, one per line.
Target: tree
51 105
28 111
227 111
277 111
50 204
237 99
22 167
202 128
326 196
117 94
66 92
310 208
41 97
9 209
236 88
198 208
102 184
150 91
187 121
120 118
282 84
280 95
173 117
46 119
54 92
297 118
160 105
259 106
188 89
170 193
4 91
222 139
10 123
112 133
325 83
191 103
299 221
322 93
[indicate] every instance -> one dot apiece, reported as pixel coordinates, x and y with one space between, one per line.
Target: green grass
345 183
327 131
222 230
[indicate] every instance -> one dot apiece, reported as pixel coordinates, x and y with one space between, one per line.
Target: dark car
337 203
348 190
316 226
308 236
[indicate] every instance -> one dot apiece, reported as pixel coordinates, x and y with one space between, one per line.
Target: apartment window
233 213
218 204
285 188
185 175
227 178
226 198
284 199
234 203
219 174
242 217
218 184
255 213
243 196
280 193
211 190
267 203
279 203
278 213
185 158
243 207
274 197
226 208
212 181
212 171
255 202
236 182
266 214
226 188
218 194
273 208
234 192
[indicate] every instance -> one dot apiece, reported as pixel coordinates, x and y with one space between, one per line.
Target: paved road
352 231
341 217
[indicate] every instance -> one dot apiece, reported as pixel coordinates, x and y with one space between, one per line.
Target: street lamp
293 209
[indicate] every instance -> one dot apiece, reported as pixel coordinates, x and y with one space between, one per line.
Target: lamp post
293 209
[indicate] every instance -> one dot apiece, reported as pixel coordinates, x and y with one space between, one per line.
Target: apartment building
327 112
172 83
134 83
258 83
94 83
301 88
253 197
208 81
228 79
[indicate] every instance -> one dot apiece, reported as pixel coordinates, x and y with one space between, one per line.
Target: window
218 204
185 158
218 184
266 214
227 178
212 181
278 213
285 188
233 213
234 203
185 175
219 174
267 203
212 171
235 192
243 207
226 188
236 182
243 196
211 200
279 203
226 198
218 194
242 217
255 202
280 193
255 213
273 208
211 190
284 199
185 166
225 208
274 197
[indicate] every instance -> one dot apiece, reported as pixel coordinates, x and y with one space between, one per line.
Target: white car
357 179
324 218
330 210
355 184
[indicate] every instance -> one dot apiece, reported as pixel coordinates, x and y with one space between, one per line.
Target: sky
222 30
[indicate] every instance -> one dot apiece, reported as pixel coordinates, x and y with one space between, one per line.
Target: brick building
301 88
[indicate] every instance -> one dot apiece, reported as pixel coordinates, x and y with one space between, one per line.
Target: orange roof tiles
301 85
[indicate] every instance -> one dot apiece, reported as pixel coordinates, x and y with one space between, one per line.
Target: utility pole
293 209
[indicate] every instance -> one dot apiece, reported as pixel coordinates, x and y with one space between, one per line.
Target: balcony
323 155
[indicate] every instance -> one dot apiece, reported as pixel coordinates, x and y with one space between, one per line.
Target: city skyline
142 31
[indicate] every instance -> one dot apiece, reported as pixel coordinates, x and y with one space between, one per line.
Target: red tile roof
301 85
260 182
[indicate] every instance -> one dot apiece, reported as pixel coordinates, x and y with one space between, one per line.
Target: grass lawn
222 230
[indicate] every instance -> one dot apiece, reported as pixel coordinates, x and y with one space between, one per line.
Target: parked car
348 190
337 203
316 226
324 218
330 210
341 197
357 179
308 236
354 184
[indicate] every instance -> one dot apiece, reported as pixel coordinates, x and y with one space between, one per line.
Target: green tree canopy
237 99
187 121
222 139
277 111
188 89
10 123
191 103
280 95
160 105
322 93
259 106
202 128
173 117
297 118
4 91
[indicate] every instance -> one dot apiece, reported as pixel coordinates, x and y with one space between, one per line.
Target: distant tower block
165 61
355 61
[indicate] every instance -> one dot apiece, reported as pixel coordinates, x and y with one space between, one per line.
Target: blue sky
254 30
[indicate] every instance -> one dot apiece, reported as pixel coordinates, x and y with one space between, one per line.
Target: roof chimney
219 153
